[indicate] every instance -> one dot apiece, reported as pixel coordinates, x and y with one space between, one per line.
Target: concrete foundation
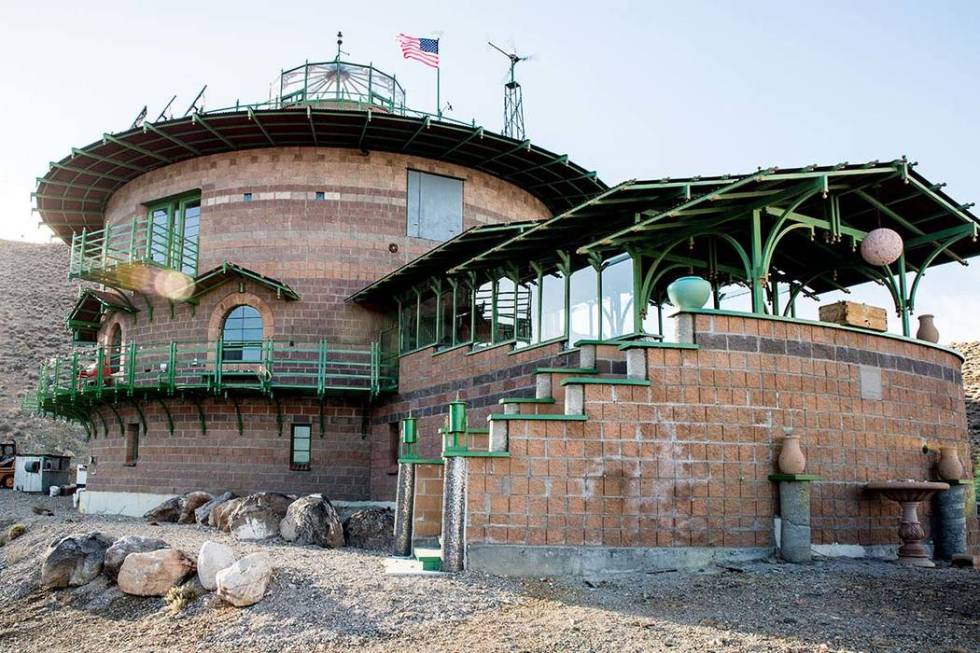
404 510
520 560
129 504
794 526
454 513
949 522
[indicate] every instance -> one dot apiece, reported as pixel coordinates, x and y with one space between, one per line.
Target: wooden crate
855 314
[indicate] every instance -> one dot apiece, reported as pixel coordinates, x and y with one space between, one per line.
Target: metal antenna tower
513 98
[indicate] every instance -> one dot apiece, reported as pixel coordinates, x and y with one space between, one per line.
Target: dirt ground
333 600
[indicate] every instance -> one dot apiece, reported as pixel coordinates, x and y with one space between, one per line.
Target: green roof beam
84 171
476 133
198 119
62 198
523 145
309 119
72 185
794 216
425 125
930 192
559 159
360 140
963 229
258 123
590 174
887 210
105 159
150 127
109 138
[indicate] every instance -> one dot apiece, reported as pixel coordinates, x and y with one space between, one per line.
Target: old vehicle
8 454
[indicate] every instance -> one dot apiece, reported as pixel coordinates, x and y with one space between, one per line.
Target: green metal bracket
200 414
238 415
139 411
166 411
122 427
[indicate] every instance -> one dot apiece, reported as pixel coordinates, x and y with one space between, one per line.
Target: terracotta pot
687 293
927 329
791 458
950 468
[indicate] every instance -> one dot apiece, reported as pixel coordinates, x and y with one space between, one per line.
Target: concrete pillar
685 327
636 363
454 514
586 356
794 516
498 434
542 386
575 399
404 510
949 522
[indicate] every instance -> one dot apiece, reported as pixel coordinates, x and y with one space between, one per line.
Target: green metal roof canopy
439 259
219 275
84 318
73 193
819 216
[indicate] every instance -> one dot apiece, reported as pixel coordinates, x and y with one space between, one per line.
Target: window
435 206
299 447
320 195
617 297
552 306
246 197
132 443
173 230
583 306
115 349
242 335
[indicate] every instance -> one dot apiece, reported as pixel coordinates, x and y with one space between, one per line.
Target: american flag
424 50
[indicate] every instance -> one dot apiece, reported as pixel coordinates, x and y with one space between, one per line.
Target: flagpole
438 101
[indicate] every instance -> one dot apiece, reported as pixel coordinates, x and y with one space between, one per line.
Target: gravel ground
331 600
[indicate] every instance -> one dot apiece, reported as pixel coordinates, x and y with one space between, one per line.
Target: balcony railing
270 367
110 255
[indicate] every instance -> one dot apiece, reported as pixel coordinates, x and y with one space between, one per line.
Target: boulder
372 528
312 520
189 503
257 517
203 513
213 558
244 583
155 572
222 512
168 511
74 560
116 554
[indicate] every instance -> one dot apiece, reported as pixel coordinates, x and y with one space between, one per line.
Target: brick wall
428 501
684 462
428 381
222 459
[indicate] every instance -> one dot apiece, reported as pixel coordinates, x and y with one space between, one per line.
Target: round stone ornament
881 246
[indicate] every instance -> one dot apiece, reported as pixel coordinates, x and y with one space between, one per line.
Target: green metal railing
92 374
95 255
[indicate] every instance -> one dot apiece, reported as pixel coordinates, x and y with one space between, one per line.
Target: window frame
241 346
408 204
293 465
174 249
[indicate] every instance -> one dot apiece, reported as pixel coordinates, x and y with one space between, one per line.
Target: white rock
213 557
153 573
244 583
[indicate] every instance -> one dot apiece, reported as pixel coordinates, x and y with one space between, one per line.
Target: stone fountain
909 493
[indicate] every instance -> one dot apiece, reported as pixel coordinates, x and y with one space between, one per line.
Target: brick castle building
278 289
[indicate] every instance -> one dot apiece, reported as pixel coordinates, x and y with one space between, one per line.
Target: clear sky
630 89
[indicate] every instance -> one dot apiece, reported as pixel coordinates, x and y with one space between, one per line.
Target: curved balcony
124 255
68 385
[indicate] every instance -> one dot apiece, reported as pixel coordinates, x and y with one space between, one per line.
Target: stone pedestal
404 510
794 516
453 513
949 520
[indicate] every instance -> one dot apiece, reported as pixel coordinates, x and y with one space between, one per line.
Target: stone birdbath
909 493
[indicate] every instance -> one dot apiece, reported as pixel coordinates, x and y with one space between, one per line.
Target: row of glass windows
599 306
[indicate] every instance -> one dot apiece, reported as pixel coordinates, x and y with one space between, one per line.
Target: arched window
115 349
242 335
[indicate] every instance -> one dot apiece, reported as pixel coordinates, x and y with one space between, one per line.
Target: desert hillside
35 296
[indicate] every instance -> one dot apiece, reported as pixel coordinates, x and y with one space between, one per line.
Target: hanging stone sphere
881 246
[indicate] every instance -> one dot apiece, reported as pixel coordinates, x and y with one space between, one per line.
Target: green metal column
903 306
758 299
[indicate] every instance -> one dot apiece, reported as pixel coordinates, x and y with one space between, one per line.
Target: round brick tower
217 349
